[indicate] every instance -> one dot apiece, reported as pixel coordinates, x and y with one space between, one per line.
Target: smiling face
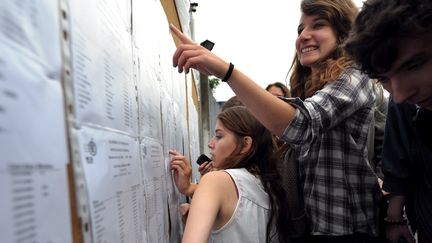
222 145
410 76
316 40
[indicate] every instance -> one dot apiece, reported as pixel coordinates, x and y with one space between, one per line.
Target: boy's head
391 41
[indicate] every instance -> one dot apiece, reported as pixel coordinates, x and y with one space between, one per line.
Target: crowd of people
332 119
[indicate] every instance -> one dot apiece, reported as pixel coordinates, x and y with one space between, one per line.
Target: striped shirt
330 132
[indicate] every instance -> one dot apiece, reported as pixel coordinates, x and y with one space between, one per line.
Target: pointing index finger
183 38
173 152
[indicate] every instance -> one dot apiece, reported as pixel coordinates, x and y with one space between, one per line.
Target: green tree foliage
213 82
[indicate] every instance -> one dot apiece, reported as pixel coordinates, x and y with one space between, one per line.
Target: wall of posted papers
89 107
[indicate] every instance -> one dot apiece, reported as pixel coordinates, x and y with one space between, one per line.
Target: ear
247 144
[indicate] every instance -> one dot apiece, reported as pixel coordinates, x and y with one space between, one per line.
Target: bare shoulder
218 180
215 176
224 191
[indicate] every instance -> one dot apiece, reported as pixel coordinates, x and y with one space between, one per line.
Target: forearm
272 112
190 190
396 224
395 208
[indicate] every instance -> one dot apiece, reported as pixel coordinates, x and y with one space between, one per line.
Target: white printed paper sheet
34 200
102 61
156 203
149 100
112 172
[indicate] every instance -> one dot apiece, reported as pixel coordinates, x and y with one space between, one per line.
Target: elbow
280 124
279 132
278 129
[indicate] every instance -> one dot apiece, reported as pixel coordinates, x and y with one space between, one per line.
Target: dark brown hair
231 102
285 90
379 28
341 15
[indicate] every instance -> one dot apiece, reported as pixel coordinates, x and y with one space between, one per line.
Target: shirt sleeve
329 107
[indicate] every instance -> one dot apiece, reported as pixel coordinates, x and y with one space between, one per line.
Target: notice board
89 107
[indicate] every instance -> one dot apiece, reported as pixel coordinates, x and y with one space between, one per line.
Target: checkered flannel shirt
330 131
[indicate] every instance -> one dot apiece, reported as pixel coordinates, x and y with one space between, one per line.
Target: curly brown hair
341 15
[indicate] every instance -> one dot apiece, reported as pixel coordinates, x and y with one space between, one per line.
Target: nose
305 34
400 91
210 144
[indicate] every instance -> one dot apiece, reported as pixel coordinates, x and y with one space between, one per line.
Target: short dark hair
281 86
379 28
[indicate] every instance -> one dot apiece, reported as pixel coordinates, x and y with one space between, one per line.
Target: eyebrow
320 18
412 59
218 130
314 20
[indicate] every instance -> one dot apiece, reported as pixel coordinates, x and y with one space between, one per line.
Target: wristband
403 221
229 72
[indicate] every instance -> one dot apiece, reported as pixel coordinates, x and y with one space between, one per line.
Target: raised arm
272 112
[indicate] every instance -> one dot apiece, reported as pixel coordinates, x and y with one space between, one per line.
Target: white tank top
249 220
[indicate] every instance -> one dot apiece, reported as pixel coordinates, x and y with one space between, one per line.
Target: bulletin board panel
88 92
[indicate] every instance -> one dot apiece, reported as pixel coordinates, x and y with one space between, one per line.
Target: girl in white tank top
244 200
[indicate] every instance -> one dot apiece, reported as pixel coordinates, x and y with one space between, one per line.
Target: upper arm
269 110
206 204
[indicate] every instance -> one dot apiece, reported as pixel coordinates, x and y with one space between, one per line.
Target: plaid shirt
330 131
